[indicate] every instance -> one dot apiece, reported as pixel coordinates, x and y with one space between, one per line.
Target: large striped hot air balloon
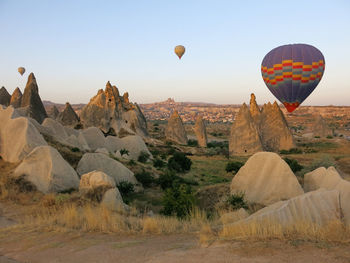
292 72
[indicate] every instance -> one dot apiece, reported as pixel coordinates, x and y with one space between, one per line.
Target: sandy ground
23 246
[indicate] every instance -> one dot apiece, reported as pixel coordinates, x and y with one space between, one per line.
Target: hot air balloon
179 51
292 72
21 70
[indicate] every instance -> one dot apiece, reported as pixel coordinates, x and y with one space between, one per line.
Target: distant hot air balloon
21 70
179 51
292 72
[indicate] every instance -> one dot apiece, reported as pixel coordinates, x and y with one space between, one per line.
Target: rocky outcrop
318 207
94 138
95 181
31 100
201 131
68 117
100 162
5 97
331 180
53 112
16 98
244 136
254 130
320 127
18 135
108 110
274 132
45 168
265 179
175 130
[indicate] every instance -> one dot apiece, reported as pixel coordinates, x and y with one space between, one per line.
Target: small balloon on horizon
179 51
21 70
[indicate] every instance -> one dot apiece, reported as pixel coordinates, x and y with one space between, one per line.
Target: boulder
95 181
113 200
331 180
265 179
100 162
16 98
45 168
175 130
5 97
94 138
244 136
102 150
135 145
113 143
53 112
111 112
18 136
68 117
201 131
56 129
31 101
318 207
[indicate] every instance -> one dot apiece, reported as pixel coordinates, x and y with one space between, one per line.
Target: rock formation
53 112
45 168
254 130
95 181
200 131
31 101
320 127
265 179
68 117
16 98
274 132
108 110
112 199
244 137
331 180
175 130
4 97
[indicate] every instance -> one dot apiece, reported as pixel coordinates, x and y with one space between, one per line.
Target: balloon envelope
179 51
292 72
21 70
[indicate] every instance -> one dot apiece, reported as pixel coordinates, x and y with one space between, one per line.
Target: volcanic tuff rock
16 98
274 131
265 179
200 131
175 130
45 168
5 97
68 117
53 112
244 137
94 180
31 101
320 127
108 110
254 109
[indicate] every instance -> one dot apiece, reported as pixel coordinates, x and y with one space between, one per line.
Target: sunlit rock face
110 111
175 130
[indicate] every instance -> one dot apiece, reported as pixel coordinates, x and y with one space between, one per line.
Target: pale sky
75 47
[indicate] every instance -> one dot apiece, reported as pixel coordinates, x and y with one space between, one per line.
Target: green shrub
132 162
125 188
214 144
293 164
192 143
75 149
178 201
236 201
329 137
179 162
324 161
124 151
143 157
155 152
145 178
163 156
158 163
291 151
167 179
317 137
233 166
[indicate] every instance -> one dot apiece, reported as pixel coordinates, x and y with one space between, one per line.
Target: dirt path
22 246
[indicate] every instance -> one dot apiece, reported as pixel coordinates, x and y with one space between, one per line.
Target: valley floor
89 247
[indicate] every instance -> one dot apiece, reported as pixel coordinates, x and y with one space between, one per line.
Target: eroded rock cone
32 101
108 110
175 130
200 131
16 98
254 109
274 131
53 112
5 97
320 127
68 117
244 137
